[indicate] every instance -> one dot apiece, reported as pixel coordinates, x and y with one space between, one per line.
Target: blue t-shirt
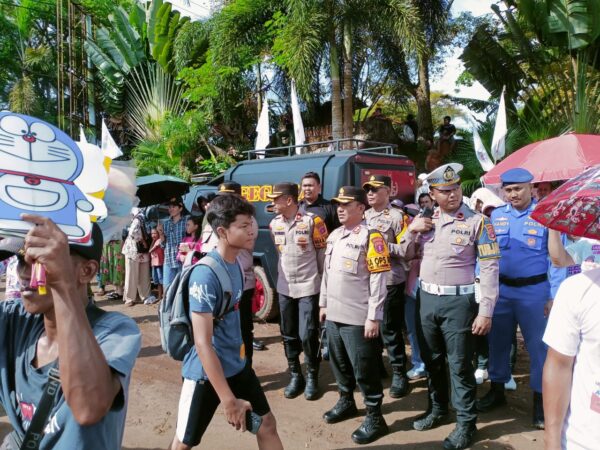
21 384
205 294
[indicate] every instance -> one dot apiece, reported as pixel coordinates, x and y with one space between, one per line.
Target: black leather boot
311 391
538 411
296 386
461 437
493 399
372 428
429 420
345 408
399 387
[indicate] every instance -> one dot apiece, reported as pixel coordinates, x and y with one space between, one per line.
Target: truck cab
348 162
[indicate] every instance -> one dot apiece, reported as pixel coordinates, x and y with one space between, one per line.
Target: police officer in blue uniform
524 290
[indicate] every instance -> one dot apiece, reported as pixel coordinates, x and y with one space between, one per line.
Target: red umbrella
574 207
559 158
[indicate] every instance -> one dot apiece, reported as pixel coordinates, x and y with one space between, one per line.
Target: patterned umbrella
573 208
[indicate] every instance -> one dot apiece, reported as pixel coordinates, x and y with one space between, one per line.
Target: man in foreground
353 292
453 306
62 337
571 378
215 369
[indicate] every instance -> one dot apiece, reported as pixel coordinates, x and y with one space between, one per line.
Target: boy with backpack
214 369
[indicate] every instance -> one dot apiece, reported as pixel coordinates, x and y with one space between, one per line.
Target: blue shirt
21 384
205 294
523 242
174 234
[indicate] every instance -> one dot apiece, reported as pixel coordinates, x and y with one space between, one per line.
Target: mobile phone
427 213
253 422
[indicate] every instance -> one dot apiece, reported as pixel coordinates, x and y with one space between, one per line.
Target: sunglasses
373 189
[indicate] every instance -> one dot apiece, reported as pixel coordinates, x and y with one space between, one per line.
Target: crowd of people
460 275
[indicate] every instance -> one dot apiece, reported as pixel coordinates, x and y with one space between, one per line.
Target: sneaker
460 438
481 375
511 385
416 373
151 300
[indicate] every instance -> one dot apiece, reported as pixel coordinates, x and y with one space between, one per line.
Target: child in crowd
157 259
189 248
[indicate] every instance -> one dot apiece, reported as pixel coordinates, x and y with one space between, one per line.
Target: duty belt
526 281
438 289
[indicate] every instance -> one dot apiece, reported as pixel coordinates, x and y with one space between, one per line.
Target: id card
595 402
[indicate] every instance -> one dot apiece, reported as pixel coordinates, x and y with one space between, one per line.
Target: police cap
445 177
285 188
516 176
377 181
230 187
349 194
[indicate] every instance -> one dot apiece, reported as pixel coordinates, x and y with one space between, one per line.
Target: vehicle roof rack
333 146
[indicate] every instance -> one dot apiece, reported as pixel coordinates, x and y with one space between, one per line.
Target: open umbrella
153 189
559 158
574 207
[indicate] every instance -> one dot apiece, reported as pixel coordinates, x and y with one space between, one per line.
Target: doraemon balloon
39 166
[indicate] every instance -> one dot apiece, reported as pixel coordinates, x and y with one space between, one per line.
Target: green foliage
546 53
128 41
216 165
191 44
175 150
153 96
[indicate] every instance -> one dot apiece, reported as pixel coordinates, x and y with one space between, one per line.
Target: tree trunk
336 96
423 99
348 94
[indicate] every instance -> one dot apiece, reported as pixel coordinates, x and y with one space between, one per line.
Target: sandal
114 296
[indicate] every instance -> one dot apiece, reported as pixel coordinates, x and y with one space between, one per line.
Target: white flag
262 128
297 117
500 130
82 138
482 155
109 147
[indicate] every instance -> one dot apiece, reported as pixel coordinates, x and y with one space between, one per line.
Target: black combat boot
429 420
345 408
311 391
296 386
372 428
538 411
493 399
461 437
399 387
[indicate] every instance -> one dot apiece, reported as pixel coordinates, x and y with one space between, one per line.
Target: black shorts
198 403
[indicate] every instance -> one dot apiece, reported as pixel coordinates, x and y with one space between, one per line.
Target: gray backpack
176 335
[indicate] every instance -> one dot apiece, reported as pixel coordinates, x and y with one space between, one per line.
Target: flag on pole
82 138
263 131
109 147
500 130
297 117
482 155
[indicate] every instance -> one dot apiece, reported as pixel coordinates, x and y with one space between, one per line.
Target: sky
446 83
454 67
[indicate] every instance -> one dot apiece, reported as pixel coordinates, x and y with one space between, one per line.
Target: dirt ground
155 385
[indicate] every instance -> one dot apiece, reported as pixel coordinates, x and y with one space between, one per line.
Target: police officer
391 222
300 239
353 293
313 201
246 261
524 290
452 305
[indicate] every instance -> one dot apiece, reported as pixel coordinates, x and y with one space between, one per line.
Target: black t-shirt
447 130
324 209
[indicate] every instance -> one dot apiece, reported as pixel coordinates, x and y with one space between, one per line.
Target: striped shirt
174 234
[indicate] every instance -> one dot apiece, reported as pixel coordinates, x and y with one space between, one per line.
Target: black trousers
444 331
300 327
247 324
391 326
355 359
